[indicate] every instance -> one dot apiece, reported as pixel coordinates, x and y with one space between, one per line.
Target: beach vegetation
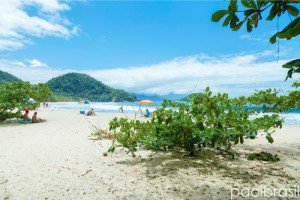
17 96
206 120
263 156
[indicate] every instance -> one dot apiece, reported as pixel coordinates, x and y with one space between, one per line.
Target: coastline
58 160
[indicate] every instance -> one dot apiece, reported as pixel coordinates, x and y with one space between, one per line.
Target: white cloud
233 73
36 63
17 26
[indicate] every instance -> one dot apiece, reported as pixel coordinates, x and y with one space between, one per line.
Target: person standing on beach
121 109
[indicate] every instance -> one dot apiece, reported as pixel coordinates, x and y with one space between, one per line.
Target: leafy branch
252 15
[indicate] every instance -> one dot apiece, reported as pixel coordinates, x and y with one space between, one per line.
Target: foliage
62 98
293 66
264 156
189 97
102 134
84 86
14 98
253 14
205 121
7 78
272 100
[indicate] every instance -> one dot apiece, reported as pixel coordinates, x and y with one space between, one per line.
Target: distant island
189 97
76 87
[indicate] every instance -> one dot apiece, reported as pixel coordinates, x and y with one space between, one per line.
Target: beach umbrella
146 102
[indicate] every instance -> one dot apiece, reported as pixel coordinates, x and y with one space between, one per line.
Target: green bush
14 98
204 121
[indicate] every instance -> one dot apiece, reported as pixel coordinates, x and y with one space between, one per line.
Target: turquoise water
291 118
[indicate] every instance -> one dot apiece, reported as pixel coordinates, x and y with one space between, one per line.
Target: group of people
34 118
45 105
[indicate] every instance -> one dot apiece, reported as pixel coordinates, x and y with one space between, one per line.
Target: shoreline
58 160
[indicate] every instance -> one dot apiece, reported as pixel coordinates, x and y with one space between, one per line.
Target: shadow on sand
208 162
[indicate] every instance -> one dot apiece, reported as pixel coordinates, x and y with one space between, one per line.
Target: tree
253 14
15 97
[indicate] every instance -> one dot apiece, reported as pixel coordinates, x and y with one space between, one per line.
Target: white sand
58 160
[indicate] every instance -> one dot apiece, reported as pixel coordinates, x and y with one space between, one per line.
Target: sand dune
58 160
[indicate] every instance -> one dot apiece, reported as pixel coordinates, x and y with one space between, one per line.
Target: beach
59 160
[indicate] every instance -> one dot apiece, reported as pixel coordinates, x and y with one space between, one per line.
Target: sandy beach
59 160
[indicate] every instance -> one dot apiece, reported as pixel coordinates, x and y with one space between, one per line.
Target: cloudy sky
140 46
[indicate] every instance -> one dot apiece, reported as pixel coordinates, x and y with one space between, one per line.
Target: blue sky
136 40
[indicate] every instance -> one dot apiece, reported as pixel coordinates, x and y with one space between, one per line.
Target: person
35 119
140 111
25 116
91 112
121 109
148 114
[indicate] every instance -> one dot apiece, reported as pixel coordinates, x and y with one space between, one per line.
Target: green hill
85 87
7 78
190 96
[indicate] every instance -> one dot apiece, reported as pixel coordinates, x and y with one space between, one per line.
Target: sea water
291 118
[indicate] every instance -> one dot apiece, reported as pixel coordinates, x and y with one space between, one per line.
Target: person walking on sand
35 119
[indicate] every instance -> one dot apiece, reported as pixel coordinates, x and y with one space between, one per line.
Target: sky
154 47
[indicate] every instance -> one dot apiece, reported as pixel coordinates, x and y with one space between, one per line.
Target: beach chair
82 112
148 114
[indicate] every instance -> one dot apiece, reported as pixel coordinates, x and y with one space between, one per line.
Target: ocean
291 118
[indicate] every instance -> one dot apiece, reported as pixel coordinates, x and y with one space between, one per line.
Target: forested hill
86 87
7 78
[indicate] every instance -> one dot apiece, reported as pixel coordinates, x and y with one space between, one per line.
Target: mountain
186 98
86 87
153 97
7 78
156 97
173 96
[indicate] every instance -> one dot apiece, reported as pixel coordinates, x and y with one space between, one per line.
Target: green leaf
249 12
273 39
238 26
290 31
233 22
294 66
249 4
218 15
289 74
269 138
249 26
273 12
293 63
227 20
233 5
292 10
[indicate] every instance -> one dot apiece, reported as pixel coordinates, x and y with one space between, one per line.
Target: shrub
204 121
14 98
